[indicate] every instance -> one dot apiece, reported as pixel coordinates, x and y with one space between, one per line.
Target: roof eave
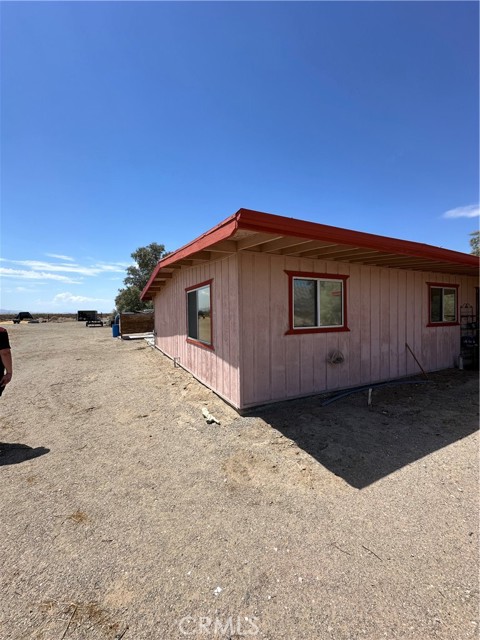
264 222
256 221
222 231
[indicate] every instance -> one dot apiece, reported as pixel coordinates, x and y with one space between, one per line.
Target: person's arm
6 356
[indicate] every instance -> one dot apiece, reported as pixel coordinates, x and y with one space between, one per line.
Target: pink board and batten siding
254 362
385 309
217 368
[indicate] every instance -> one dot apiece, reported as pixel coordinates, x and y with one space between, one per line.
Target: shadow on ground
14 453
363 444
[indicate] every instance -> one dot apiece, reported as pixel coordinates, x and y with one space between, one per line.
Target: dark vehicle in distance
90 317
23 315
85 315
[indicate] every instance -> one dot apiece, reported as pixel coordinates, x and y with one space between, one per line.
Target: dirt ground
125 515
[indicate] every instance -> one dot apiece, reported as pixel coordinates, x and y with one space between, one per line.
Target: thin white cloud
115 266
30 276
60 257
69 298
24 274
470 211
81 270
38 265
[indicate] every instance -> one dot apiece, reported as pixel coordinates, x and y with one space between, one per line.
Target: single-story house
264 308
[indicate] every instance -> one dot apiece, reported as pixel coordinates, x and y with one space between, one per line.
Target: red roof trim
266 222
278 225
221 232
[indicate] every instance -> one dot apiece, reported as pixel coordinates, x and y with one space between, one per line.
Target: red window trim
319 276
199 343
442 285
199 286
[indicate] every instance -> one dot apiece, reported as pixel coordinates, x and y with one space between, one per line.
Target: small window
317 303
442 304
199 314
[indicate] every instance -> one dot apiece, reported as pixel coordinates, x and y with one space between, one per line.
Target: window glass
192 314
304 303
449 305
199 314
435 304
443 304
330 303
204 320
317 303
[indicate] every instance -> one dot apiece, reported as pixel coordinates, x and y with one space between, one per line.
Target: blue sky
129 123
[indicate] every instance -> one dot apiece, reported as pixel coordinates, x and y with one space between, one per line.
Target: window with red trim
442 304
317 302
199 313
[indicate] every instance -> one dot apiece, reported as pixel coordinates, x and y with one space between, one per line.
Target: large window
442 299
317 302
199 313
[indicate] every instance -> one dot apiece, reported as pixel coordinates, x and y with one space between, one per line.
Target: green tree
146 259
475 243
128 299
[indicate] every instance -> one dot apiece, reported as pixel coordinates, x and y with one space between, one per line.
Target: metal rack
468 337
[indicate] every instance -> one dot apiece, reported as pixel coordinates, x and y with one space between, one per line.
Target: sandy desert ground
125 515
